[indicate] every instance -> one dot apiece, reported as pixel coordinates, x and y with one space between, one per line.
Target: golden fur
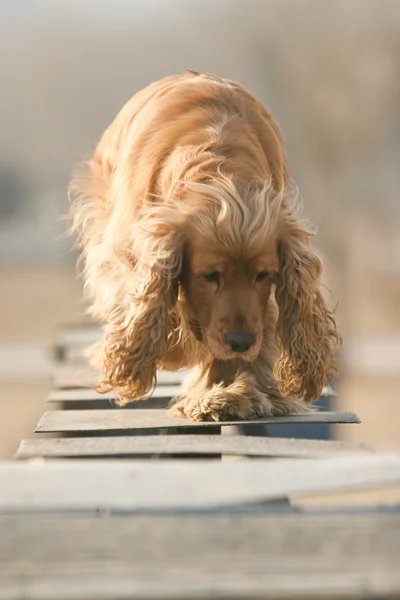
188 233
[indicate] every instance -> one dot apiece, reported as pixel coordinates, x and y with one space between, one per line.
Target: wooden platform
132 486
112 420
112 503
185 444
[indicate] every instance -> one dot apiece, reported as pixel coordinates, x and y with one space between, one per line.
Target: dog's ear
142 323
306 327
137 336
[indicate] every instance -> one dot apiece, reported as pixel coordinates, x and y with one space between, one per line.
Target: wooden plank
73 376
227 556
121 420
185 444
89 394
143 485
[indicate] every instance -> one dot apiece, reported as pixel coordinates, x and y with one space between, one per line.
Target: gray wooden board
229 556
73 376
121 420
143 485
184 444
88 395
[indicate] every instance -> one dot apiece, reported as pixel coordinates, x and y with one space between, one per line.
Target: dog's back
163 133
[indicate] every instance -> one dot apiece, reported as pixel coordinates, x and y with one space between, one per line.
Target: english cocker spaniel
195 255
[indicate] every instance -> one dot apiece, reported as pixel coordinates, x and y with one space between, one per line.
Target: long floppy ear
142 322
306 327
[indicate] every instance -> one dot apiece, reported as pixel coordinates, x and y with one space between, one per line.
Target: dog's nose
240 341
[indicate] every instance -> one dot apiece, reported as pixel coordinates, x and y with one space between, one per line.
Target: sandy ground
34 303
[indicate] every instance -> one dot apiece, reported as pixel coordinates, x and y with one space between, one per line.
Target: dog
195 255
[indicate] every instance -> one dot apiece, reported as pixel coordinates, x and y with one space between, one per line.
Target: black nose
240 341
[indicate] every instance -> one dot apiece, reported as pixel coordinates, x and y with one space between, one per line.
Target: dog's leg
236 397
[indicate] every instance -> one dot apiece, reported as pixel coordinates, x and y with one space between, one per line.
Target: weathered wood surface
185 444
76 376
229 556
121 420
89 395
143 485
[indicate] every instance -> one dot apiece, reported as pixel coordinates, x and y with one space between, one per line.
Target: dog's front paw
194 409
214 406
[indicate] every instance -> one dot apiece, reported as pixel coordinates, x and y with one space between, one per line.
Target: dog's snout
240 341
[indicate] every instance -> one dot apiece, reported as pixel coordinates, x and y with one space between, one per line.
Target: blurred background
329 71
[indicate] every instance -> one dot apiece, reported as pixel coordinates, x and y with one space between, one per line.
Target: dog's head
229 266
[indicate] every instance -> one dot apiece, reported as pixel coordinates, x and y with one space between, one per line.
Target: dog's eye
212 277
262 276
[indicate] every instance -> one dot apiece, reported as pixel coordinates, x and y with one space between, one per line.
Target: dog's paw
222 408
192 408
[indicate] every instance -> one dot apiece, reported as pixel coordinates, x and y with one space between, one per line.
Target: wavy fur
192 177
